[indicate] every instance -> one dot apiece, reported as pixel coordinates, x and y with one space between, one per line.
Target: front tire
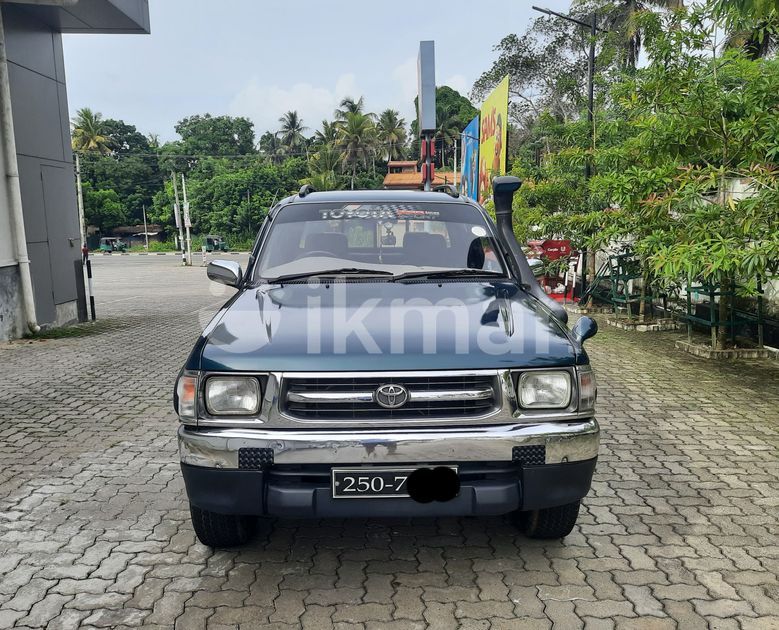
554 522
221 530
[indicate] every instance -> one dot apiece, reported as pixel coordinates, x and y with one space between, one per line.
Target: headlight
588 388
186 395
547 390
232 395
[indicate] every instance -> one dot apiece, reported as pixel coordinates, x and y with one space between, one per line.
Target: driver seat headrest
333 242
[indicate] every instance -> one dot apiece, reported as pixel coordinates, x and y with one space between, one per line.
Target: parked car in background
387 353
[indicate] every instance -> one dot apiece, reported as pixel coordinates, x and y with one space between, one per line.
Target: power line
196 156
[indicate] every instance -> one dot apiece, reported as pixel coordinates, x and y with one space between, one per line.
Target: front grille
367 410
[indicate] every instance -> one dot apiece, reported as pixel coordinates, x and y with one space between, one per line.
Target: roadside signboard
470 160
492 137
426 87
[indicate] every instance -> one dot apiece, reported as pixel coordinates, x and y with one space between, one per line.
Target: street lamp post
593 26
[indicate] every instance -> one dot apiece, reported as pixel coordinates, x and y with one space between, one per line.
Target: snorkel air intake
503 189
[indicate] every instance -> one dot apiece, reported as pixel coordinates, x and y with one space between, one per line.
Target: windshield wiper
342 271
450 273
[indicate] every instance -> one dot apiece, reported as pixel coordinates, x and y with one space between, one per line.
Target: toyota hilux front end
386 354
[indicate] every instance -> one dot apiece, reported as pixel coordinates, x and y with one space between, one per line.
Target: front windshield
393 238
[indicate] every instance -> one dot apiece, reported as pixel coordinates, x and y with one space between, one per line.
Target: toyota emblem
391 396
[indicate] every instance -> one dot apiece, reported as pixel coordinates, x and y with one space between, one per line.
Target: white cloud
265 104
405 75
458 82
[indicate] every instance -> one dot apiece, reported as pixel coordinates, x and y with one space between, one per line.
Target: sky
261 58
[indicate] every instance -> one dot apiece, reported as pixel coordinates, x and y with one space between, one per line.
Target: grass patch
76 330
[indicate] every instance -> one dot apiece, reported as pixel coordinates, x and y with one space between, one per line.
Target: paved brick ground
681 529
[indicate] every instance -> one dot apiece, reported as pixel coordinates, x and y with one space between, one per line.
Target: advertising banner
492 138
470 160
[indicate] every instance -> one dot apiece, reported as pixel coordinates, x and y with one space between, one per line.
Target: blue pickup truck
386 353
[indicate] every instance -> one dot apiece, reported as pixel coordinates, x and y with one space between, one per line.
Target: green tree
547 66
328 158
130 170
752 25
453 113
103 208
449 128
234 200
270 146
323 180
328 134
349 106
291 132
694 184
207 135
125 139
89 132
391 134
623 20
357 141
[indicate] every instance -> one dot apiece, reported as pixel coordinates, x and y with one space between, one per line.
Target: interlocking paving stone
680 529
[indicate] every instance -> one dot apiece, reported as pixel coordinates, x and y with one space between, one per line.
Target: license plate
361 483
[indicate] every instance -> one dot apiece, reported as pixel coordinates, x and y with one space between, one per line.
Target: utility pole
177 214
588 258
456 185
80 196
145 229
85 262
249 208
591 91
187 220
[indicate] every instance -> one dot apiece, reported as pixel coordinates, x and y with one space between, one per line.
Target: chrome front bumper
218 448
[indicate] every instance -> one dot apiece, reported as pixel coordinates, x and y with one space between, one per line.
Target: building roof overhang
91 16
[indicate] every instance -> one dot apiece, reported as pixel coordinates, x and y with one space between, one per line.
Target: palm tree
349 106
448 130
328 135
328 158
291 132
622 19
270 146
357 142
391 133
751 25
89 132
325 180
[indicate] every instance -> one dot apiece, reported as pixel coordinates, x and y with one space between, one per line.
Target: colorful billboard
470 160
493 136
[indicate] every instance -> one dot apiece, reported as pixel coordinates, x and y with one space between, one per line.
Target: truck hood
377 326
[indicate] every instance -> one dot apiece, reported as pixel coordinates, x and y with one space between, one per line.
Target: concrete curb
705 352
658 325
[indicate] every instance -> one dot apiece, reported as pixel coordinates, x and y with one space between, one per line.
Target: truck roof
375 196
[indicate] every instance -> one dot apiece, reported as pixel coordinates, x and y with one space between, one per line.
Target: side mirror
536 266
585 328
225 272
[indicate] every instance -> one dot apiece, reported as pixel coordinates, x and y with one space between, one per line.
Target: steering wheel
320 252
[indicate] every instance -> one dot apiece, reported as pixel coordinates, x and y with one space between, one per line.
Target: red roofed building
403 175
